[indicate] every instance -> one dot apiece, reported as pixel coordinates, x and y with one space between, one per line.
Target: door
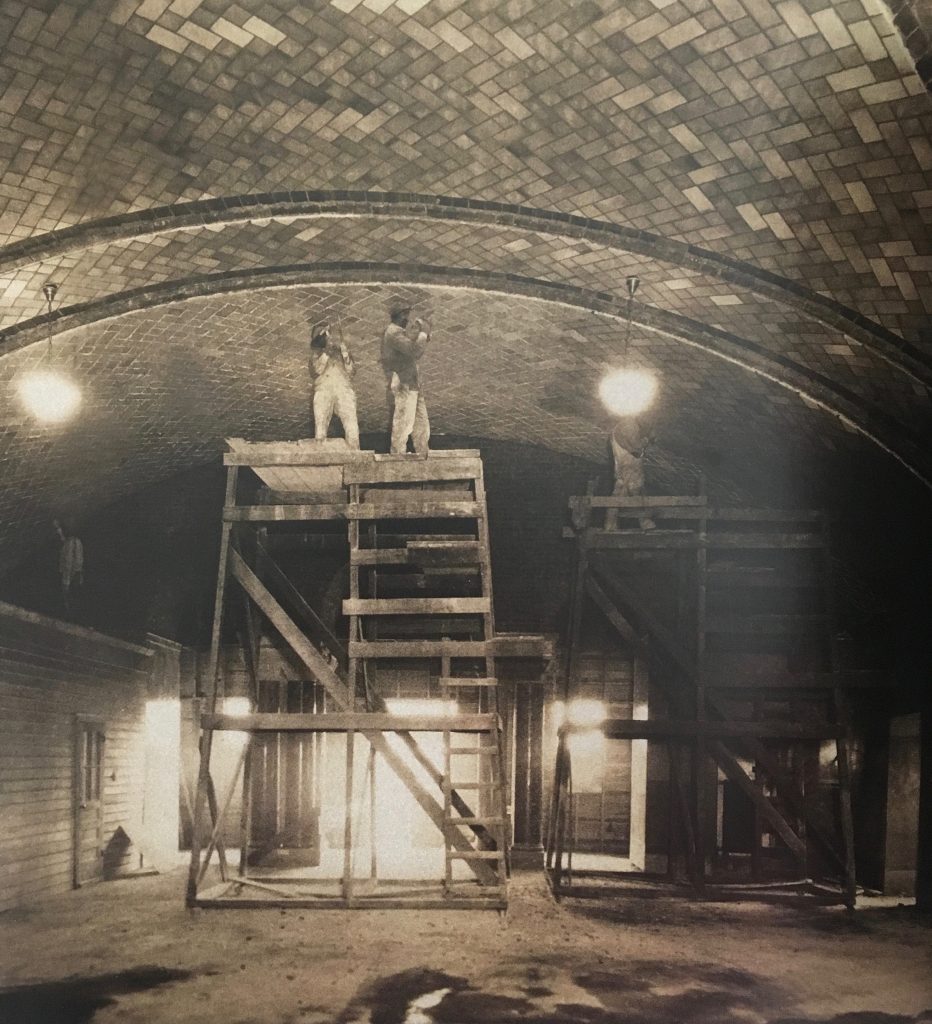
88 801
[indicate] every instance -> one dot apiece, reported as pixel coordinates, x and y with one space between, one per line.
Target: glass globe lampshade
49 396
628 392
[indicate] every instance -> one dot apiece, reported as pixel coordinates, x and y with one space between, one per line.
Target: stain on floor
76 1000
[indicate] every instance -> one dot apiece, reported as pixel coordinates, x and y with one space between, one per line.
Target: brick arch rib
808 385
884 343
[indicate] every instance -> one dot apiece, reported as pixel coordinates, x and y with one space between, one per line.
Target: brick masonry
764 167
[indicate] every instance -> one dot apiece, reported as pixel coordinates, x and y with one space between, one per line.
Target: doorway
88 801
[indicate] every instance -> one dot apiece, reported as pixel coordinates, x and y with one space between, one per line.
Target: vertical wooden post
637 835
842 717
700 750
373 817
204 784
348 820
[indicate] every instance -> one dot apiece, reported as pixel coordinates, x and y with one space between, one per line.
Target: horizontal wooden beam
446 553
355 903
853 679
764 623
338 721
663 728
283 513
639 540
261 456
638 502
755 541
501 646
693 507
416 606
415 508
412 471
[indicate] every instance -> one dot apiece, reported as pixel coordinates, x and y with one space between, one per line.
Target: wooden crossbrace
336 689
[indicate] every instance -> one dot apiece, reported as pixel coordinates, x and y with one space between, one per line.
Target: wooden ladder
416 521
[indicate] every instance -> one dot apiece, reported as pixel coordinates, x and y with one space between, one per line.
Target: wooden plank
338 692
584 501
283 513
359 903
307 613
412 471
290 453
424 555
764 541
733 577
416 606
665 728
340 721
769 624
503 645
639 540
467 681
614 616
668 640
415 509
316 664
417 648
849 679
731 767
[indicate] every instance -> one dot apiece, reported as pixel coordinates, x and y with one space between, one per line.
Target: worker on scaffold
629 447
401 350
332 370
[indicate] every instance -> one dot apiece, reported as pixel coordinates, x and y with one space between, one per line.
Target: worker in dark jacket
401 350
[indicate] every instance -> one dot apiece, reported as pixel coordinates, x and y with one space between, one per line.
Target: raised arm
318 363
411 344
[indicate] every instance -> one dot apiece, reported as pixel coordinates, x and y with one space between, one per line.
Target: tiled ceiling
764 167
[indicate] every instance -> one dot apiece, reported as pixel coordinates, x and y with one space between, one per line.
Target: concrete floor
129 952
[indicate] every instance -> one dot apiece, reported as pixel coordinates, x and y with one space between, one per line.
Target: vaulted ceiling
203 180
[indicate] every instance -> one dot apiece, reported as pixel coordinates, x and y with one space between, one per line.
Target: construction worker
401 350
70 564
332 369
628 448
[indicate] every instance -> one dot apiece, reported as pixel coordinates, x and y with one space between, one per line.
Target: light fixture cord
624 355
48 325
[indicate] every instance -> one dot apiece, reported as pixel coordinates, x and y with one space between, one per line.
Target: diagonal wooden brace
339 694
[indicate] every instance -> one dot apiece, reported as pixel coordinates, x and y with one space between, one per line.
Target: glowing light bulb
628 392
49 396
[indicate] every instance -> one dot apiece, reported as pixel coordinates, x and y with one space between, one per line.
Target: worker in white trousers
401 350
332 369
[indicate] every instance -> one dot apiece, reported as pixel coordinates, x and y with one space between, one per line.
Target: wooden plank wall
51 672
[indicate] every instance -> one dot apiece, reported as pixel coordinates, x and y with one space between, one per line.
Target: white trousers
409 419
339 398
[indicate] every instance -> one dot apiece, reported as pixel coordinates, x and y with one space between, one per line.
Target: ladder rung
475 855
482 749
416 606
468 681
415 510
475 785
475 821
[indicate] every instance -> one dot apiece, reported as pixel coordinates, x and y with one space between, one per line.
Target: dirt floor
128 952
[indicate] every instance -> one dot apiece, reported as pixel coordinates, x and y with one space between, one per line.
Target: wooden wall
50 674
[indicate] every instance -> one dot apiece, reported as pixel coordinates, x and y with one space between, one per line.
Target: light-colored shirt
331 366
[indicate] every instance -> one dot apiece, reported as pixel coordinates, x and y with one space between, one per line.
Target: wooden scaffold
738 635
419 605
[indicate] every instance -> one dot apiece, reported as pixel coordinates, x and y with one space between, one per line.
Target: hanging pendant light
627 391
48 395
